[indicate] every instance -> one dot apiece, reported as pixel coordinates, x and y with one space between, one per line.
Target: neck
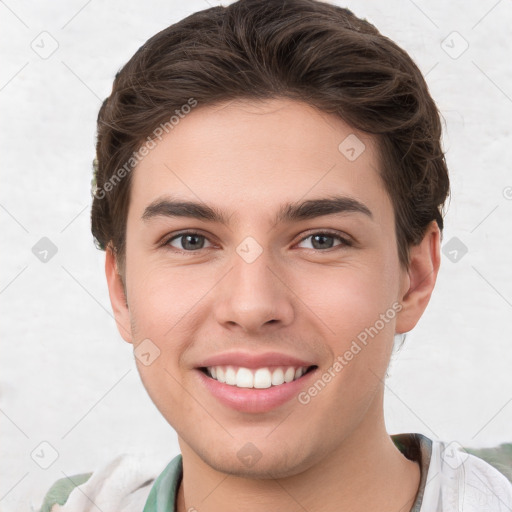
366 472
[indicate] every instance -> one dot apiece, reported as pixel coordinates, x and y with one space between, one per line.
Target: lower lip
251 399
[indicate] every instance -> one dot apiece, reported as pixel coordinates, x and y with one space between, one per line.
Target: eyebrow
289 212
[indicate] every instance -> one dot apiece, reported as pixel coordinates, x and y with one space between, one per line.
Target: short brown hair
305 50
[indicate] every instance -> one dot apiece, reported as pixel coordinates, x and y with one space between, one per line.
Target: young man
269 189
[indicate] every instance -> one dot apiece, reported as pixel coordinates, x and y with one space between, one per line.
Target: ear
419 279
117 296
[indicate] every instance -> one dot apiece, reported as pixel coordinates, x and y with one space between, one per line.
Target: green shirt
471 481
162 497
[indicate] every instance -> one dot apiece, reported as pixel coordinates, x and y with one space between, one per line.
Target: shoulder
499 457
466 482
60 490
121 485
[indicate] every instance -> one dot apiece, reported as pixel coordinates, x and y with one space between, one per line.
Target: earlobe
425 260
117 296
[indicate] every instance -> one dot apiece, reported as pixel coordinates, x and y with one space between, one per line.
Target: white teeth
244 378
277 377
221 376
260 378
289 374
230 376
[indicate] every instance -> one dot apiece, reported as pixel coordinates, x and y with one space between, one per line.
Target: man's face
302 289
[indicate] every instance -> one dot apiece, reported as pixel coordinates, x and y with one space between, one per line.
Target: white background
67 377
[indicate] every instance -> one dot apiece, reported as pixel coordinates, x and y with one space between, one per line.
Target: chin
267 463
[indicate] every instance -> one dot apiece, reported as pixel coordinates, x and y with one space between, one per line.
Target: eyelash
345 242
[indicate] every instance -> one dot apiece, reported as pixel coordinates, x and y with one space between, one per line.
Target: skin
298 298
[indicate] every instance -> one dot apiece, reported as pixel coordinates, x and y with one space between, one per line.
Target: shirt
452 480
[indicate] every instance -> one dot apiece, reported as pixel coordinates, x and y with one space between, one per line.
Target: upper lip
248 360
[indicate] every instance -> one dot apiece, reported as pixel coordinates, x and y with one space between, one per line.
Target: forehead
255 156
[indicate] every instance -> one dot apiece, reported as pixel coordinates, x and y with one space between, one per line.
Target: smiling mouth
258 378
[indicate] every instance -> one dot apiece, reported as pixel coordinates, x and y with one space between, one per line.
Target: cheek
163 296
358 321
351 299
357 308
163 310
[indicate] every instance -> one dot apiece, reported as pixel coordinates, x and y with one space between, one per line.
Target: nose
253 297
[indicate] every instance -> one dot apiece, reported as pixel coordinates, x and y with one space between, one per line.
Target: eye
322 240
190 241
